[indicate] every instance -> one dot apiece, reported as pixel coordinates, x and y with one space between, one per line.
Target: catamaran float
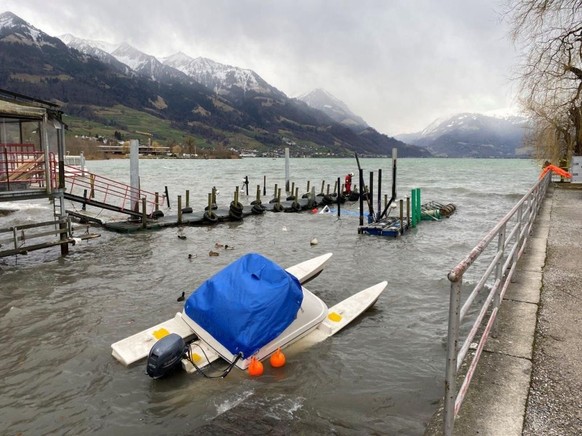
249 310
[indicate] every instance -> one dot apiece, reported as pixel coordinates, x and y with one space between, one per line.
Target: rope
223 374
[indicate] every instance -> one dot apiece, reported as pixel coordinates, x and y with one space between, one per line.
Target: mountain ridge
473 135
232 115
332 106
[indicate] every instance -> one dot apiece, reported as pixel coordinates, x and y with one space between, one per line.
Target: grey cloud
398 64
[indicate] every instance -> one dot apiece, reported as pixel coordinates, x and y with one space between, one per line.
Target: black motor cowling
165 356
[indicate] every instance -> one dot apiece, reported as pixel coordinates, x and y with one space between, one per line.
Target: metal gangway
91 189
497 253
24 170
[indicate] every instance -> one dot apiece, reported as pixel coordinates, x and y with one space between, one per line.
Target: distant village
100 147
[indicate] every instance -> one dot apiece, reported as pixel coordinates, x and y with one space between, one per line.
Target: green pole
413 196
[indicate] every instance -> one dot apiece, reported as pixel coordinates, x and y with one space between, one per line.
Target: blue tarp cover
247 304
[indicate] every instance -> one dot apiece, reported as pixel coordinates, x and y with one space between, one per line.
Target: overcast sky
399 64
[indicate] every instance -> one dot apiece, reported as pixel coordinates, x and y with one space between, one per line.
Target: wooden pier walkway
202 218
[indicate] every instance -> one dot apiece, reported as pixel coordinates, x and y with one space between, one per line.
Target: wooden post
308 183
338 199
179 209
401 216
322 185
371 196
167 197
264 185
258 194
379 191
296 200
92 182
157 205
286 169
144 215
408 210
361 171
187 198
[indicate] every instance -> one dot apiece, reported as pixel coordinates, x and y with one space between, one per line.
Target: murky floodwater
383 374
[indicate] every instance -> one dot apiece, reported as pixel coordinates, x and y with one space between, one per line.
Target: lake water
382 375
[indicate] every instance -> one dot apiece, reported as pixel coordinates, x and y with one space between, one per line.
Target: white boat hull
335 319
310 315
136 347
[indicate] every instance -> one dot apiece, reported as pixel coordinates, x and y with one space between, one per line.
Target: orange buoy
255 367
277 359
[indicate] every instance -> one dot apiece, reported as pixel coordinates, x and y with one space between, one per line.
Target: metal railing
499 262
25 237
22 168
108 191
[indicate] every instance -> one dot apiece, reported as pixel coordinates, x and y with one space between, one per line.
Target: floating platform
392 228
202 218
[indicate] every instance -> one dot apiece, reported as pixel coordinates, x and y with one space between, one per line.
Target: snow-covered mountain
333 107
146 65
98 49
14 29
223 79
472 135
45 67
84 45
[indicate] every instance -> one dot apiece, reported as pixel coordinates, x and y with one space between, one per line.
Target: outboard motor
165 356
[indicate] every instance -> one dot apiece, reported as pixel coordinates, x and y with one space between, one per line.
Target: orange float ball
277 359
255 367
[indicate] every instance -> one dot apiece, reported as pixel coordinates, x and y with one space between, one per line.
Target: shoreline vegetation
92 151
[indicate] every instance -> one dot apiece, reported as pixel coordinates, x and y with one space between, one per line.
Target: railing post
499 273
452 348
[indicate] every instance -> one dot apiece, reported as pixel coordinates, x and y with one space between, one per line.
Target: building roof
15 110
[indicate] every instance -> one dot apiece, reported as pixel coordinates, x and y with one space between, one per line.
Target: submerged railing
499 261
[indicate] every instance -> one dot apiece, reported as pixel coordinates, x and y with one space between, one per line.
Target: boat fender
255 367
165 356
277 359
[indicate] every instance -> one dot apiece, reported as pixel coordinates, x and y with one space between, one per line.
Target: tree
550 34
190 145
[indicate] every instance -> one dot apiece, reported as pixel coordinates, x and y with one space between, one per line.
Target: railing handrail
512 232
112 190
464 264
